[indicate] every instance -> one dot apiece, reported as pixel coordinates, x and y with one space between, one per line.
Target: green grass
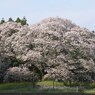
26 87
7 86
12 87
50 83
90 91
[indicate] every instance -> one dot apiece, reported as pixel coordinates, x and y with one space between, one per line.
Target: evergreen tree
2 21
10 19
18 20
24 21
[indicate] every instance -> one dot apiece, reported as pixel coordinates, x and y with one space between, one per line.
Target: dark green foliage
16 62
31 46
2 21
10 20
24 21
18 20
36 70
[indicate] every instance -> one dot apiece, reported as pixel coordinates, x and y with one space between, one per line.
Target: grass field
50 83
26 87
90 91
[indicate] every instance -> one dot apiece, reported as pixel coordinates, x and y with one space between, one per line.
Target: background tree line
23 21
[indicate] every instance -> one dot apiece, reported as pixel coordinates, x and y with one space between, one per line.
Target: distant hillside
54 48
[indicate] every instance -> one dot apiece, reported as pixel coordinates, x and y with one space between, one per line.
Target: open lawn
50 83
90 91
26 87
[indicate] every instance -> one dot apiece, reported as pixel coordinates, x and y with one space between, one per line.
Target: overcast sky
81 12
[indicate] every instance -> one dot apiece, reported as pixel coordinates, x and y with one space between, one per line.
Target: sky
81 12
